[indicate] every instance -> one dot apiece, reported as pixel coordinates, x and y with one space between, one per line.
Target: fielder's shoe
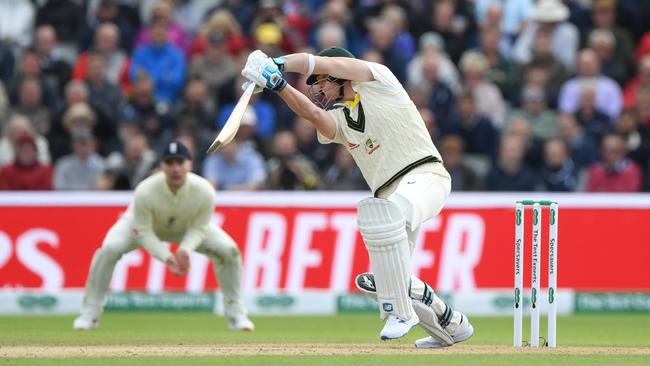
85 322
396 327
459 328
241 323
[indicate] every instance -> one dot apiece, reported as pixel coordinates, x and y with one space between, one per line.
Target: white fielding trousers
218 246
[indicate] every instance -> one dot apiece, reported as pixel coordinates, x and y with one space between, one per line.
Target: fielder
173 205
365 108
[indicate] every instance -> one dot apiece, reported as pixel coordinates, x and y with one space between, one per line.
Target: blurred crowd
518 95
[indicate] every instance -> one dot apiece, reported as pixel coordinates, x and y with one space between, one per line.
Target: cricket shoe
396 327
241 323
85 322
459 328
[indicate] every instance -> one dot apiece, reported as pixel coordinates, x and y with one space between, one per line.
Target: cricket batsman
172 205
362 106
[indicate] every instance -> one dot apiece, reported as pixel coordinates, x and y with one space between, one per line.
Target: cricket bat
229 129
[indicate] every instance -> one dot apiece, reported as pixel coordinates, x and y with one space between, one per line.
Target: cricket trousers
217 245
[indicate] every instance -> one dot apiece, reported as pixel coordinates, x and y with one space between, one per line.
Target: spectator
595 122
273 31
108 12
549 16
511 172
583 149
117 63
446 19
17 22
81 169
440 99
103 95
328 35
642 78
265 111
66 17
394 16
477 131
221 21
543 121
501 71
343 174
30 105
615 172
196 110
545 69
7 64
534 148
215 67
609 98
432 47
643 108
142 114
77 93
487 97
16 127
127 168
513 16
4 101
463 178
163 63
308 144
603 16
638 144
26 173
52 64
288 169
335 12
237 167
559 174
603 43
30 67
161 16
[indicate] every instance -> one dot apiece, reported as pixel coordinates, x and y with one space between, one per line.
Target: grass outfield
139 338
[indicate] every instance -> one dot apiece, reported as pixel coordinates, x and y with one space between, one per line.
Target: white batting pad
383 229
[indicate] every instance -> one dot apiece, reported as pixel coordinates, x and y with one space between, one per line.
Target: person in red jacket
615 172
26 172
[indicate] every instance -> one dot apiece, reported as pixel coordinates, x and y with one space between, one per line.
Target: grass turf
156 329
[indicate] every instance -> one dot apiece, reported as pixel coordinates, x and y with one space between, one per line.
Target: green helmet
330 52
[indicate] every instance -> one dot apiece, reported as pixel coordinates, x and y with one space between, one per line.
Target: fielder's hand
261 70
183 260
173 266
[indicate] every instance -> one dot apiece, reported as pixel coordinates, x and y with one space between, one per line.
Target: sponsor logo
517 297
388 307
533 298
352 146
355 303
612 302
281 301
552 217
551 295
160 301
535 217
37 302
519 217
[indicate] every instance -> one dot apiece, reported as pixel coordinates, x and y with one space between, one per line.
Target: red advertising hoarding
293 242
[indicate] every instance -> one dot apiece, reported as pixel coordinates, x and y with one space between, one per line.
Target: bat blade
231 126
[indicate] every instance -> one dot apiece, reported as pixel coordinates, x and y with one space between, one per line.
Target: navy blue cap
176 150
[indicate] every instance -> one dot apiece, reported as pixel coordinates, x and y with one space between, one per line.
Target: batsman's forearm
296 62
303 107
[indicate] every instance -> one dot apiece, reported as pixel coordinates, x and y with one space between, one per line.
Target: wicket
535 280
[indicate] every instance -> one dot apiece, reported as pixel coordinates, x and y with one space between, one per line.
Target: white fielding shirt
159 215
383 130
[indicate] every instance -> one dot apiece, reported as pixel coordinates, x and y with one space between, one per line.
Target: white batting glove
261 70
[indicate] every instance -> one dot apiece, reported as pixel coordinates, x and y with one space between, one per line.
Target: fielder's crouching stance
365 108
174 205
